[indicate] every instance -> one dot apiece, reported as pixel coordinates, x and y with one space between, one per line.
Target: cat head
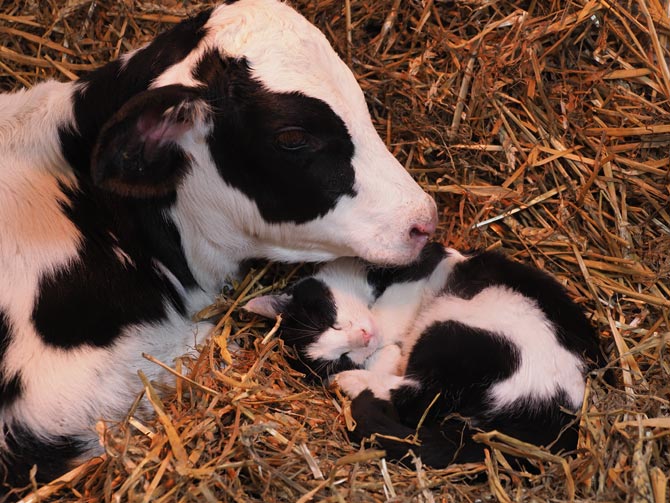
326 318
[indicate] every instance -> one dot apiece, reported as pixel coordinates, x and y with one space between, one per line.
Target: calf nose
366 336
420 232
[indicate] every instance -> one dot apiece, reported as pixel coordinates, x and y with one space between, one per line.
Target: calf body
129 197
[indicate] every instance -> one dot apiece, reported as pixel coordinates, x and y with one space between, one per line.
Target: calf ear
137 152
268 305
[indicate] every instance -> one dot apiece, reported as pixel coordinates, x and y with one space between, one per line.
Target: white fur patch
385 360
545 364
395 311
333 343
87 384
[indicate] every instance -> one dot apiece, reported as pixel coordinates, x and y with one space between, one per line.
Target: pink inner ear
160 130
266 305
261 305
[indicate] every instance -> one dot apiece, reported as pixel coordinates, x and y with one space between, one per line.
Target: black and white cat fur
499 343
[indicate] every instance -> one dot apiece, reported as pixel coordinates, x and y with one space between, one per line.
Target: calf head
261 136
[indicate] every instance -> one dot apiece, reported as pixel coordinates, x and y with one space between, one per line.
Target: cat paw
385 360
354 382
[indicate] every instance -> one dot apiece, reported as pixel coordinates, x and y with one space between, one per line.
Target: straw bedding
541 128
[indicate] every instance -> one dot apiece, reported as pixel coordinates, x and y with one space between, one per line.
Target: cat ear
268 305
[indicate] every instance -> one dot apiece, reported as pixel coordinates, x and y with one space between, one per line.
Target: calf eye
292 139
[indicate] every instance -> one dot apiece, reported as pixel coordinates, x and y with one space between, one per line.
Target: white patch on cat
334 343
544 366
355 331
398 307
385 360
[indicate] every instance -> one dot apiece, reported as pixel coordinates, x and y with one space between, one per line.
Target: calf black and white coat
129 197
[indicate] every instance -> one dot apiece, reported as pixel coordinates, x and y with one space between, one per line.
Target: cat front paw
354 382
385 360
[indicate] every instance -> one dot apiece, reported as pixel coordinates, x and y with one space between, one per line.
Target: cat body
466 342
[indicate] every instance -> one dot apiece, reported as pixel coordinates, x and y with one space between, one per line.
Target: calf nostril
366 336
416 232
419 231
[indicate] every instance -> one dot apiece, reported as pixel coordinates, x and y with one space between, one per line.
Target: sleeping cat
473 342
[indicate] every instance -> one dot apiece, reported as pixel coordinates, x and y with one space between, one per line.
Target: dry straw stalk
540 127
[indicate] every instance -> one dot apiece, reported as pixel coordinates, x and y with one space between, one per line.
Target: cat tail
437 447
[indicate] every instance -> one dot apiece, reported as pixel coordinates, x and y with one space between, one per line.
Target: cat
460 342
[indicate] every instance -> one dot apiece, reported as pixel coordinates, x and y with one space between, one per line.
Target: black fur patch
10 386
10 390
290 181
310 312
24 450
90 300
539 423
459 363
103 93
160 237
380 278
437 446
573 330
105 90
449 439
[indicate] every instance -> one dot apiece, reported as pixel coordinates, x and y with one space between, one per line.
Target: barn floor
541 128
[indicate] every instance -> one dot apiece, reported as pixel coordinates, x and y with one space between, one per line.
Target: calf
129 197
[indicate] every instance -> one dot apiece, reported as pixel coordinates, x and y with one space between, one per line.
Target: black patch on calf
289 153
161 237
90 300
105 90
24 450
5 334
10 386
573 330
380 278
10 390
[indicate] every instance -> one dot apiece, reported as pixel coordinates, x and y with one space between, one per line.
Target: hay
539 127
